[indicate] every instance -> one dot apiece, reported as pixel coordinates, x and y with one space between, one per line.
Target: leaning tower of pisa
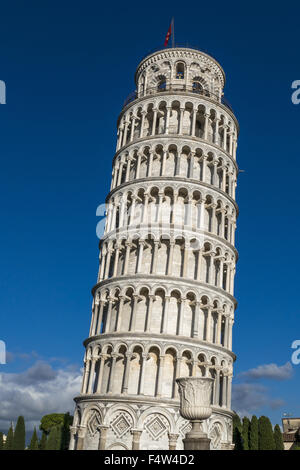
163 304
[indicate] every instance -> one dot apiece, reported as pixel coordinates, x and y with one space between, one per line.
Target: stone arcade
163 305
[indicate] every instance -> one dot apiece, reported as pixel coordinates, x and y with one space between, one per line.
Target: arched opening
197 87
162 84
180 71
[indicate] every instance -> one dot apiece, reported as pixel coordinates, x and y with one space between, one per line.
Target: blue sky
68 67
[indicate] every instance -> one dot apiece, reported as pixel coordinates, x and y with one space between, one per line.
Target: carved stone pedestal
196 439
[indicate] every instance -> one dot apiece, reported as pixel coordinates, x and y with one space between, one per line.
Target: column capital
81 431
102 428
136 297
173 438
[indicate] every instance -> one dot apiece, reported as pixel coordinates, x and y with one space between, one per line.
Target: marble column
80 437
173 441
126 373
103 435
136 436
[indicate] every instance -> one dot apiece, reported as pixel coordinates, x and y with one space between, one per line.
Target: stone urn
195 405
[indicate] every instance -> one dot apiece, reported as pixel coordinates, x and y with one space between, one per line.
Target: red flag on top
168 35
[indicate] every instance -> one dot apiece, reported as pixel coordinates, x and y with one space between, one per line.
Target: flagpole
173 31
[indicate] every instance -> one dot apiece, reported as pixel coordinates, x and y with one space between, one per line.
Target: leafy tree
48 421
43 442
265 434
1 441
19 436
65 432
245 433
237 432
9 439
62 423
278 438
34 443
253 435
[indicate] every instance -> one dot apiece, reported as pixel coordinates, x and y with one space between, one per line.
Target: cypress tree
253 435
278 438
9 439
43 442
265 434
237 433
1 440
34 444
245 433
19 437
65 432
53 441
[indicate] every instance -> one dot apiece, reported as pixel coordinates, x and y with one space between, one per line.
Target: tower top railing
176 88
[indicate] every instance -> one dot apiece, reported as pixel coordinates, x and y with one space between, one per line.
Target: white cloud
269 371
247 398
37 391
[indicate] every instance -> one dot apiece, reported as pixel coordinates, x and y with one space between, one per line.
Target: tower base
142 423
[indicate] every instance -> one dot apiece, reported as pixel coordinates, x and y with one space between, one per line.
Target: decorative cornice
144 401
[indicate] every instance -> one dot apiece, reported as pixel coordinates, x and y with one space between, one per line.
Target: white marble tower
163 304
